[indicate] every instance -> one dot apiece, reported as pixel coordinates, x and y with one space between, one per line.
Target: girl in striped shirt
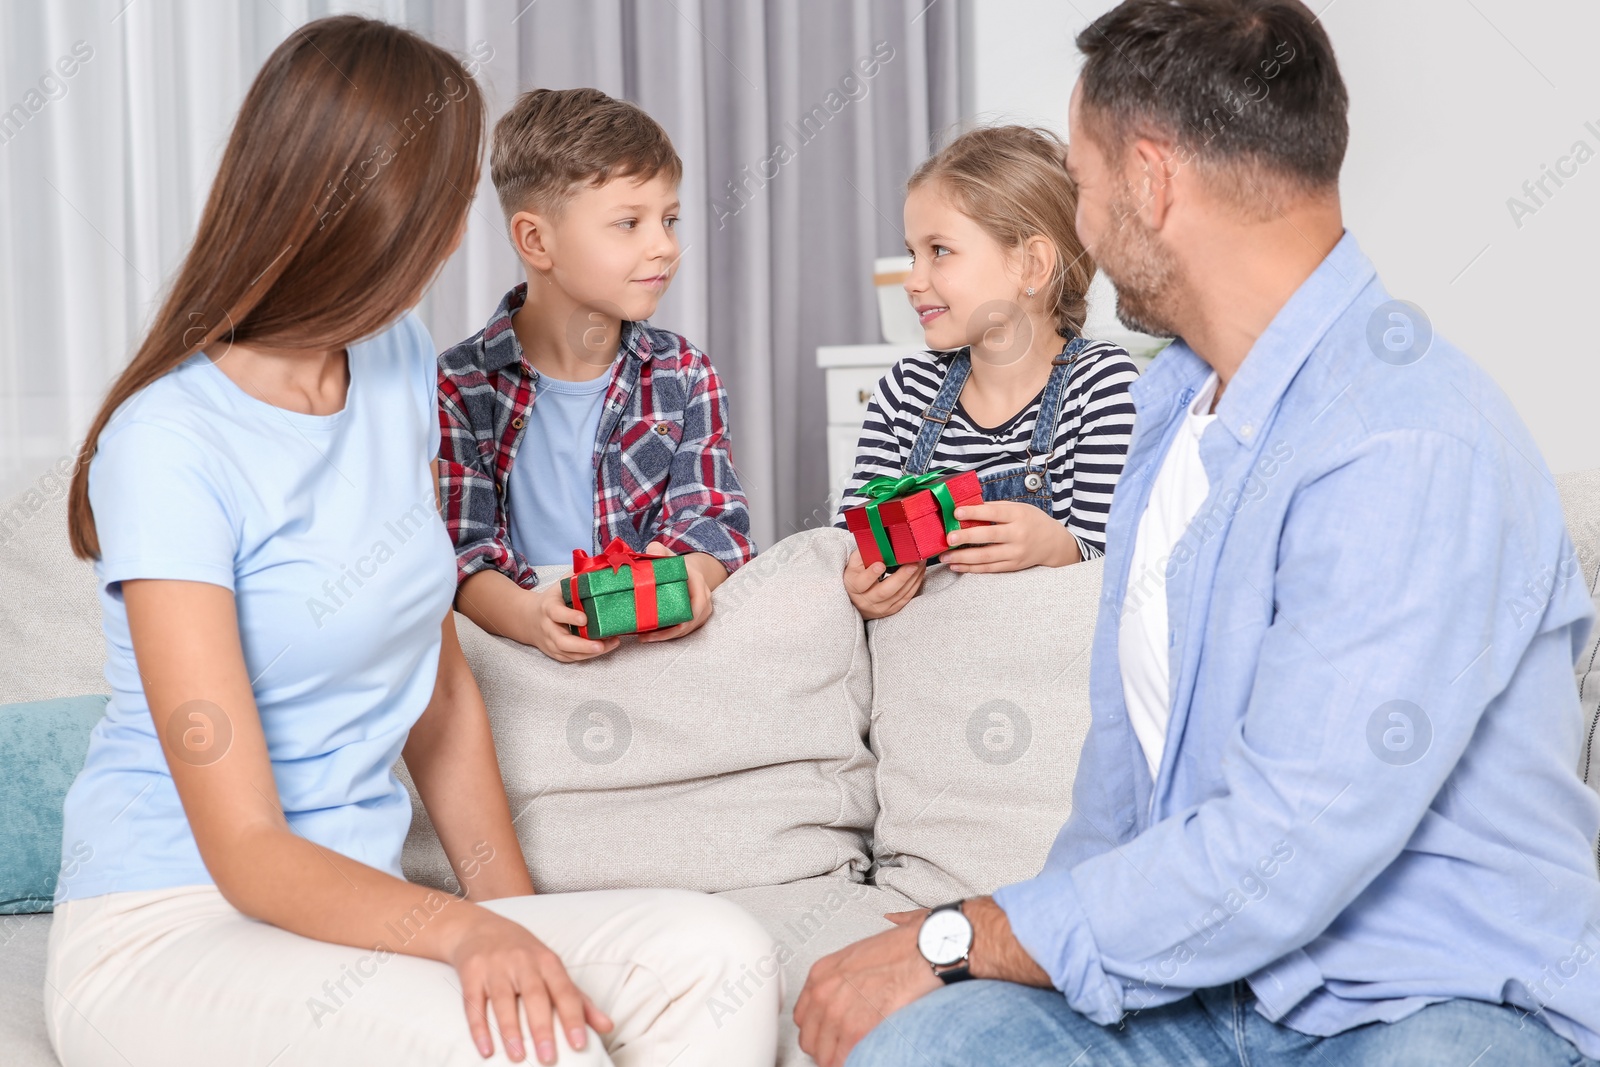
1009 387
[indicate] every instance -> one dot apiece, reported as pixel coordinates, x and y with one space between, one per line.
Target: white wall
1452 107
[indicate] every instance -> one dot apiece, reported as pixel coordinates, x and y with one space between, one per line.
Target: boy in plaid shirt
569 419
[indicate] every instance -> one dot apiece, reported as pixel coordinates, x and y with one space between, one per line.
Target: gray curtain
102 189
795 160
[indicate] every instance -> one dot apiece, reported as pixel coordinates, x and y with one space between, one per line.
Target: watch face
946 936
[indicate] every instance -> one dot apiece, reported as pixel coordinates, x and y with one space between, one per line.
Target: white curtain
104 165
114 114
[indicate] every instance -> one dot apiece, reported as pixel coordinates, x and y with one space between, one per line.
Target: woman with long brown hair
276 583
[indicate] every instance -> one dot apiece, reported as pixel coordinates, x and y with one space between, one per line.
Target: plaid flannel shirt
662 459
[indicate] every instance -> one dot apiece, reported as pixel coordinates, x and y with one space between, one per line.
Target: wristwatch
945 941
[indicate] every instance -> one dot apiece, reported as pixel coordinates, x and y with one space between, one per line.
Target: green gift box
622 591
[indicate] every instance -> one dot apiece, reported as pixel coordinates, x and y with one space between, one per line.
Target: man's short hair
1248 90
553 141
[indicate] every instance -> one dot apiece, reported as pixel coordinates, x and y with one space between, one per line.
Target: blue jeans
978 1023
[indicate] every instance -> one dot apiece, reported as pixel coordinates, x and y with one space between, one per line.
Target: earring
1030 290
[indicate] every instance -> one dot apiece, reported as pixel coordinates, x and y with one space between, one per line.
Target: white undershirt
1143 635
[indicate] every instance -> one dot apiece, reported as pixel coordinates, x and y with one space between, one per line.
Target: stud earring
1030 290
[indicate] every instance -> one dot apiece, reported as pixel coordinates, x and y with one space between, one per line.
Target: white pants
181 978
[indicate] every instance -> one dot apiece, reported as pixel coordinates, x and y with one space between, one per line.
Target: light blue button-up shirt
1368 799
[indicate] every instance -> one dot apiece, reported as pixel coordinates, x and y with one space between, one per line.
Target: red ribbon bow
616 556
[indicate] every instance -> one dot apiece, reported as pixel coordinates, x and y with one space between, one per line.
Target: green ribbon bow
884 488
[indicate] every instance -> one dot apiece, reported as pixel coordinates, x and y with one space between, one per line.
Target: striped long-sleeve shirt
1091 439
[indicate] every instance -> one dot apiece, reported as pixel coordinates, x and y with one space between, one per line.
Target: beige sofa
815 773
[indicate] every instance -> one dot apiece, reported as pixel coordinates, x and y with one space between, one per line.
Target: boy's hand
701 581
551 617
875 599
1022 536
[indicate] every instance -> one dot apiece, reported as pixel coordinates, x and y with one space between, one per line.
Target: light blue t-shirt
325 528
551 487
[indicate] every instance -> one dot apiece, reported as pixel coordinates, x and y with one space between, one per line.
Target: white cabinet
842 442
849 389
851 373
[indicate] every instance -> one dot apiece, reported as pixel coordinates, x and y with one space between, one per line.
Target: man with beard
1327 812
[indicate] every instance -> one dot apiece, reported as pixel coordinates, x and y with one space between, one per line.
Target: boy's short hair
554 141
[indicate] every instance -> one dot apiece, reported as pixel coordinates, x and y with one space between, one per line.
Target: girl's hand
498 962
875 599
699 592
551 617
1022 536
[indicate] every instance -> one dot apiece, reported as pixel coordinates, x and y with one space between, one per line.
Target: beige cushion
23 941
808 920
980 705
735 756
50 639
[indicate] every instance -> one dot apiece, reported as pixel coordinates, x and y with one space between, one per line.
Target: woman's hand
1022 536
705 574
499 961
876 599
550 619
450 753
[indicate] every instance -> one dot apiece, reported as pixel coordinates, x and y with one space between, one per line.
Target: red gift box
914 515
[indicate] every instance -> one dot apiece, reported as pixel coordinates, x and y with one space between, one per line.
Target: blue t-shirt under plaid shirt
551 486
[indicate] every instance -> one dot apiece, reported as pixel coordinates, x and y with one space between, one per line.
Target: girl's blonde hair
1013 182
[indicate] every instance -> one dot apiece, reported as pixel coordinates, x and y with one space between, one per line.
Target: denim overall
1029 482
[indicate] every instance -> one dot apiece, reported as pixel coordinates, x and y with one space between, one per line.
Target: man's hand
876 599
549 633
852 990
705 574
1021 536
